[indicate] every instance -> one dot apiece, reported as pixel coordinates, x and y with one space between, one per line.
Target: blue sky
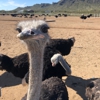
12 4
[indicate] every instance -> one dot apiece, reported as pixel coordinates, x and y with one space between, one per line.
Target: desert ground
84 57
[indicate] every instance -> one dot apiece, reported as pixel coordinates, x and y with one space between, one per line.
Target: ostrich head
29 30
58 58
55 59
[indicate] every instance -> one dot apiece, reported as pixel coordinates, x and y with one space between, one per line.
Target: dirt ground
84 57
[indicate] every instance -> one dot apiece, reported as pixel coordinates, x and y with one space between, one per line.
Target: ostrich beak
24 35
53 64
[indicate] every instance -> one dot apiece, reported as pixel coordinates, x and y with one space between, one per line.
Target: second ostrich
55 59
19 65
35 35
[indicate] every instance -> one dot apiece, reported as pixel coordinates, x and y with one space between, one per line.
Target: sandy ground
84 57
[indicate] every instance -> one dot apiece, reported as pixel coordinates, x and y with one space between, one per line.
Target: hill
66 5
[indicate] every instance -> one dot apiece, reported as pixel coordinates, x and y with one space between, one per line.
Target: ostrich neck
65 65
35 73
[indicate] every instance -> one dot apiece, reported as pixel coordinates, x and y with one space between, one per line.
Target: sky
13 4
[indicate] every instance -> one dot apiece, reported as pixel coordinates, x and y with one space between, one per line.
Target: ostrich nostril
32 32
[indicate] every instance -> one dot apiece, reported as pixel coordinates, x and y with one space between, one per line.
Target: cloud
12 3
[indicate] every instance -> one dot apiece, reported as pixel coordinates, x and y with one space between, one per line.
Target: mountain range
67 6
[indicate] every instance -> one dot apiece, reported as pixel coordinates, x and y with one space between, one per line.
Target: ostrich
93 90
52 89
83 17
56 16
48 70
89 15
35 35
19 65
55 59
0 43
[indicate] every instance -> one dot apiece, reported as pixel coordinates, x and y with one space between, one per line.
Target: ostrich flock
43 67
27 15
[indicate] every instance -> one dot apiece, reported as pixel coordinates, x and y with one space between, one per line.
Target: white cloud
12 3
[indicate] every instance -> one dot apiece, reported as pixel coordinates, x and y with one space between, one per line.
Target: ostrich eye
32 32
18 29
44 29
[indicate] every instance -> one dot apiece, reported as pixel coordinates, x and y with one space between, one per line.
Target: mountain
66 5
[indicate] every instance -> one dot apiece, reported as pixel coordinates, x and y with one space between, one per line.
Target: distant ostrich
31 15
36 17
59 15
14 15
19 65
35 35
83 17
93 90
65 15
0 43
56 16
